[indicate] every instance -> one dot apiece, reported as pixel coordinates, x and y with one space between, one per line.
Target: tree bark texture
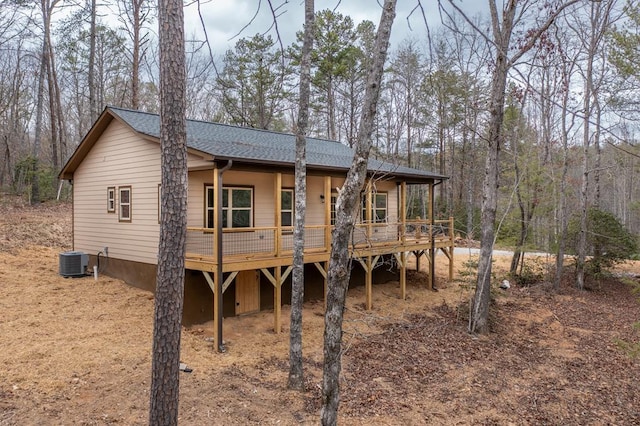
91 72
37 140
479 319
347 206
502 30
566 77
296 373
173 223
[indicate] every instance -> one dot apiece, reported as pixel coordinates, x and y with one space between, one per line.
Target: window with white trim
378 207
111 199
334 198
286 207
209 209
124 205
237 207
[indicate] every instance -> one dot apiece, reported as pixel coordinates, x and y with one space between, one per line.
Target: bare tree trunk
479 319
347 206
584 186
296 373
563 186
91 72
169 297
331 106
135 68
6 164
502 30
37 139
53 120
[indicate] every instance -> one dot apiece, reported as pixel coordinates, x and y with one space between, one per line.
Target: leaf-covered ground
77 351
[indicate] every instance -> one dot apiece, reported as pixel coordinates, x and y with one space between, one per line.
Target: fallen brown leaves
77 351
552 359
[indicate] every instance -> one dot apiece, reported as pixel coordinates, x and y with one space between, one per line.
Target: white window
286 207
111 199
237 207
124 212
209 211
334 198
378 207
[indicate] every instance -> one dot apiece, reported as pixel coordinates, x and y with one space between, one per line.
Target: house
115 172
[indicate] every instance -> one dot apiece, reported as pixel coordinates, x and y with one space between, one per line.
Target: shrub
608 241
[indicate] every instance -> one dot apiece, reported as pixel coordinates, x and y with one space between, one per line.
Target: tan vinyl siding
315 206
391 189
263 185
119 158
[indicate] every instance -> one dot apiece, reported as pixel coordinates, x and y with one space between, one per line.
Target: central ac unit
73 264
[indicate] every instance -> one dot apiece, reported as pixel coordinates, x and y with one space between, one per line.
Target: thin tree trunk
169 297
91 72
563 186
584 186
135 68
347 206
37 140
296 373
53 120
502 31
479 319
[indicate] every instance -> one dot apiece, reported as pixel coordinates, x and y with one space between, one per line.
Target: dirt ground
77 351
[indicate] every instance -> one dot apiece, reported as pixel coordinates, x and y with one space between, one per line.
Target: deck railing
277 242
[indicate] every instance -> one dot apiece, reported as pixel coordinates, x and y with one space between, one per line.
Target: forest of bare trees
567 141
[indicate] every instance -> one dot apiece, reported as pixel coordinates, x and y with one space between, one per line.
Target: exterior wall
263 185
119 158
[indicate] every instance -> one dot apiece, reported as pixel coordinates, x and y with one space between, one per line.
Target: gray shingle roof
262 146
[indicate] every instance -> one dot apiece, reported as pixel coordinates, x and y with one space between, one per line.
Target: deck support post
401 260
418 255
451 247
217 307
277 279
277 302
323 268
403 275
369 284
403 240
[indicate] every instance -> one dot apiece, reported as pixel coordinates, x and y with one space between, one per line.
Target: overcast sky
224 19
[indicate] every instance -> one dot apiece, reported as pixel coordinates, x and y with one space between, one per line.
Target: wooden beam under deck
367 254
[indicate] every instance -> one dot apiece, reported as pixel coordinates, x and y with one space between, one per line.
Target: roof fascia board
86 144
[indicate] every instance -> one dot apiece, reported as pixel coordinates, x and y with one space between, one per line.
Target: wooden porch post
278 218
403 239
368 217
216 278
432 252
327 216
215 213
217 218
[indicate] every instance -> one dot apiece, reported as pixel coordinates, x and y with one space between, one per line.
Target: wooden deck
270 247
269 250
